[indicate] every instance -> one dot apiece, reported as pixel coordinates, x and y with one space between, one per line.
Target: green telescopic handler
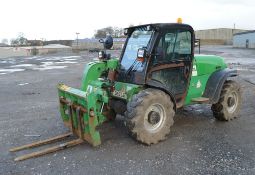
156 74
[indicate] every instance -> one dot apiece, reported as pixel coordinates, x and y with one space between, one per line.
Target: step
200 100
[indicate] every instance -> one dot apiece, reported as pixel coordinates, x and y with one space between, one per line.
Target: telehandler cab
156 74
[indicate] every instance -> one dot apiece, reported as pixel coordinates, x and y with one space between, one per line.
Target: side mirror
141 54
107 42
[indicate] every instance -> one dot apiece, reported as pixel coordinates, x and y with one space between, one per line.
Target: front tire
229 104
149 116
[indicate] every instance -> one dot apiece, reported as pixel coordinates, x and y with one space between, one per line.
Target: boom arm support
82 110
94 70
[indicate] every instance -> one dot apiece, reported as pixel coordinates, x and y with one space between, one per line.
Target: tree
19 41
100 33
14 42
5 41
118 32
113 31
109 30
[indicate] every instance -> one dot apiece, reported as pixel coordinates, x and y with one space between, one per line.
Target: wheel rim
232 102
154 118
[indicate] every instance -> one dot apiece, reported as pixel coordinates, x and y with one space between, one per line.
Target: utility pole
233 30
77 33
42 42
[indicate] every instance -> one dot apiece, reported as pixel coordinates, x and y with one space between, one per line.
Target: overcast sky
61 19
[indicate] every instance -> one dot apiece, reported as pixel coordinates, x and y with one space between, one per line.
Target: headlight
101 54
140 53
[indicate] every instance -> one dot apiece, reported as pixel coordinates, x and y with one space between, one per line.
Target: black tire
111 115
149 116
229 104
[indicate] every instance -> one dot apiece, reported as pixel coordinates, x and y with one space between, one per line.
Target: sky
61 19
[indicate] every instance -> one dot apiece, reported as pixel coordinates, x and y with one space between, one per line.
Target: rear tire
149 116
229 104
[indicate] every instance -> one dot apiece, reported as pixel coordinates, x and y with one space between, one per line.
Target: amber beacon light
179 20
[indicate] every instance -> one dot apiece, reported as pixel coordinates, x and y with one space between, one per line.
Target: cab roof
159 26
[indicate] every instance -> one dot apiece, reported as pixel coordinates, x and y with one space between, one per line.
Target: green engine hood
207 64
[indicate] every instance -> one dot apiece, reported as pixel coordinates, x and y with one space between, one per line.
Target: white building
244 39
219 36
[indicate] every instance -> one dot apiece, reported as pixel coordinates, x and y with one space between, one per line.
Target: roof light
179 20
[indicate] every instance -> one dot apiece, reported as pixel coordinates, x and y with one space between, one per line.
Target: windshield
138 39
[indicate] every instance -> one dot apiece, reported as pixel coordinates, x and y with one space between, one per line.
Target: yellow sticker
65 88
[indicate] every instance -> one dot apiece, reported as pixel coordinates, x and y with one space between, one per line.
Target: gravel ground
198 144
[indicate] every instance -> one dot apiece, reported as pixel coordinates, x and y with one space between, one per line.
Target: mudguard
215 84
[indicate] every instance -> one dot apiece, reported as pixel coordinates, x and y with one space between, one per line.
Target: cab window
172 46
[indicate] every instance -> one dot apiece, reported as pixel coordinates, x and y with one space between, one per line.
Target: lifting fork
47 150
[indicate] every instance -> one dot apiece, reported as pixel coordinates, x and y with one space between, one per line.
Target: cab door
171 60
